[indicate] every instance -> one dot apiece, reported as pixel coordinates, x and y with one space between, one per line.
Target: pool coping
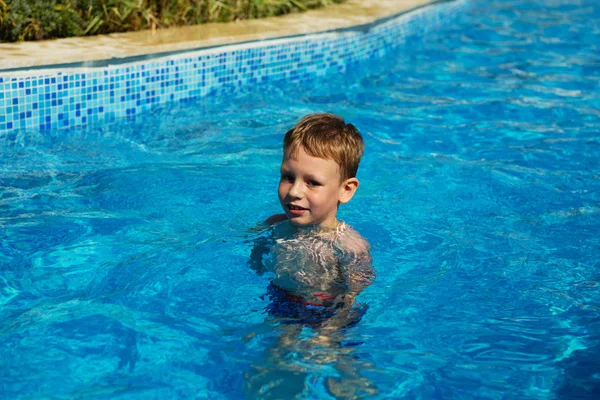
118 48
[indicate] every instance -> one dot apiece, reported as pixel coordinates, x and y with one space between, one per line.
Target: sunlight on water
124 252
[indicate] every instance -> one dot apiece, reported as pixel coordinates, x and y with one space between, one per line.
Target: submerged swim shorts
294 309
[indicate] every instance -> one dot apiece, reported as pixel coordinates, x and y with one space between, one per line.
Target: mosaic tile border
47 99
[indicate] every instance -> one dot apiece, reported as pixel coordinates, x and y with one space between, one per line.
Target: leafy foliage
48 19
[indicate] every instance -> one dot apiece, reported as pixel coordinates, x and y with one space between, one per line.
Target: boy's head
327 136
318 172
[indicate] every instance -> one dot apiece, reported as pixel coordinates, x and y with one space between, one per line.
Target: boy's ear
348 189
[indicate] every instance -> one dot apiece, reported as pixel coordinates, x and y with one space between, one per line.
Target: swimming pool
124 247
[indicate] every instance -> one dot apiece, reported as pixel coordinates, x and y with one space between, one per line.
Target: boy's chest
311 262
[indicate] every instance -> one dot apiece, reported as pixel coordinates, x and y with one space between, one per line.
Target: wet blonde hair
329 137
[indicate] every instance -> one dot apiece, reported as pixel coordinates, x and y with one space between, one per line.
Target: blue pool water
124 248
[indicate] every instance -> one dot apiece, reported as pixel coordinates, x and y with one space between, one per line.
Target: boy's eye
314 183
288 178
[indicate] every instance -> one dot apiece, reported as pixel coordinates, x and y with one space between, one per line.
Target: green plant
34 20
47 19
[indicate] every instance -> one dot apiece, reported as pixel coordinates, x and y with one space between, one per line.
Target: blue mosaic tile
49 99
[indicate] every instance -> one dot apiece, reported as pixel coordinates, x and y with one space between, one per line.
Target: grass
48 19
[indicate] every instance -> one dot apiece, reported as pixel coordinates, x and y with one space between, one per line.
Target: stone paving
123 45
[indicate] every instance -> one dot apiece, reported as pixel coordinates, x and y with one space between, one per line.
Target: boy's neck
321 228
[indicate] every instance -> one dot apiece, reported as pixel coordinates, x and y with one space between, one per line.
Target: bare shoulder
269 222
275 219
356 260
353 244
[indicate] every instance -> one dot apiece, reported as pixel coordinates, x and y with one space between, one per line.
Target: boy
320 264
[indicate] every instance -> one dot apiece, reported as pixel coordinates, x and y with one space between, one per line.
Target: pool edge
49 98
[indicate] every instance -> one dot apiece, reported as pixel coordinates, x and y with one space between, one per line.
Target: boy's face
311 188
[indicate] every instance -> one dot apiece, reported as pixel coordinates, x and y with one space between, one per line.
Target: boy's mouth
296 210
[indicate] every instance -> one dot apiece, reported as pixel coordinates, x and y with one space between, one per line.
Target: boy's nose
296 190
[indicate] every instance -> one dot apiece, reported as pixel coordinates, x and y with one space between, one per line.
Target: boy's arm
357 265
272 220
262 245
358 273
260 248
275 219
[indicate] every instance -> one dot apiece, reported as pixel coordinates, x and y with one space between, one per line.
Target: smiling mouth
295 208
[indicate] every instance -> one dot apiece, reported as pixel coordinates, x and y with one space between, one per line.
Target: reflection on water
124 260
300 357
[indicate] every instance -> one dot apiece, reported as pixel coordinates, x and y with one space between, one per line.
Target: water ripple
123 249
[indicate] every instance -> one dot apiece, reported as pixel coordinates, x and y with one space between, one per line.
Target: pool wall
104 91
